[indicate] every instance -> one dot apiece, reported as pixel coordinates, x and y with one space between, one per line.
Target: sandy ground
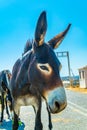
77 89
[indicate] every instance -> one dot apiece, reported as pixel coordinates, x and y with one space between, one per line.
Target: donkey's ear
41 29
55 42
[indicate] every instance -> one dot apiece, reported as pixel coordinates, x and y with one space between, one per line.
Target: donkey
5 77
36 76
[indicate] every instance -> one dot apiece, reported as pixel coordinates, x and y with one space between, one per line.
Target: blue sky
17 24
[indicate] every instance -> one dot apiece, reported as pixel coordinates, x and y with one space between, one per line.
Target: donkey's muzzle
57 100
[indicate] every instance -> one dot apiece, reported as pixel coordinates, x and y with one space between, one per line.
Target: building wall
83 78
86 78
82 83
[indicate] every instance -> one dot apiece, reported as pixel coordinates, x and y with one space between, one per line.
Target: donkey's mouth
57 109
57 100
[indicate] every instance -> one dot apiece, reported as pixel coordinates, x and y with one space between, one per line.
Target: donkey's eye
44 68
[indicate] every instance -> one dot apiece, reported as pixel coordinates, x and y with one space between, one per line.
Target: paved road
74 117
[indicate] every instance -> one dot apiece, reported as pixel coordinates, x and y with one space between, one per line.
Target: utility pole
66 54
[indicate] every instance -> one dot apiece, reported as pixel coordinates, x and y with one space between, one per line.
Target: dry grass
77 89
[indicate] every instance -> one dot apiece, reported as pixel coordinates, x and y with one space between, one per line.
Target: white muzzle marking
57 100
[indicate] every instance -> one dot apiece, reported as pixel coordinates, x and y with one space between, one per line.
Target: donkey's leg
15 122
7 111
49 117
16 117
38 124
11 108
2 106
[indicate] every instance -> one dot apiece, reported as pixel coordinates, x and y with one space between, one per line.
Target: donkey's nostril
57 105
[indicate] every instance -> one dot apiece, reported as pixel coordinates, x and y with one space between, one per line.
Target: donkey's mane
28 46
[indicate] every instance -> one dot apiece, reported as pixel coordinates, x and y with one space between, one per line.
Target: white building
83 77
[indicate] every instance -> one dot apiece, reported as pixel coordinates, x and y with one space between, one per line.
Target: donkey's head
45 66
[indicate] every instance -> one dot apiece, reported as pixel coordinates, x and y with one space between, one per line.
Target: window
83 76
80 74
